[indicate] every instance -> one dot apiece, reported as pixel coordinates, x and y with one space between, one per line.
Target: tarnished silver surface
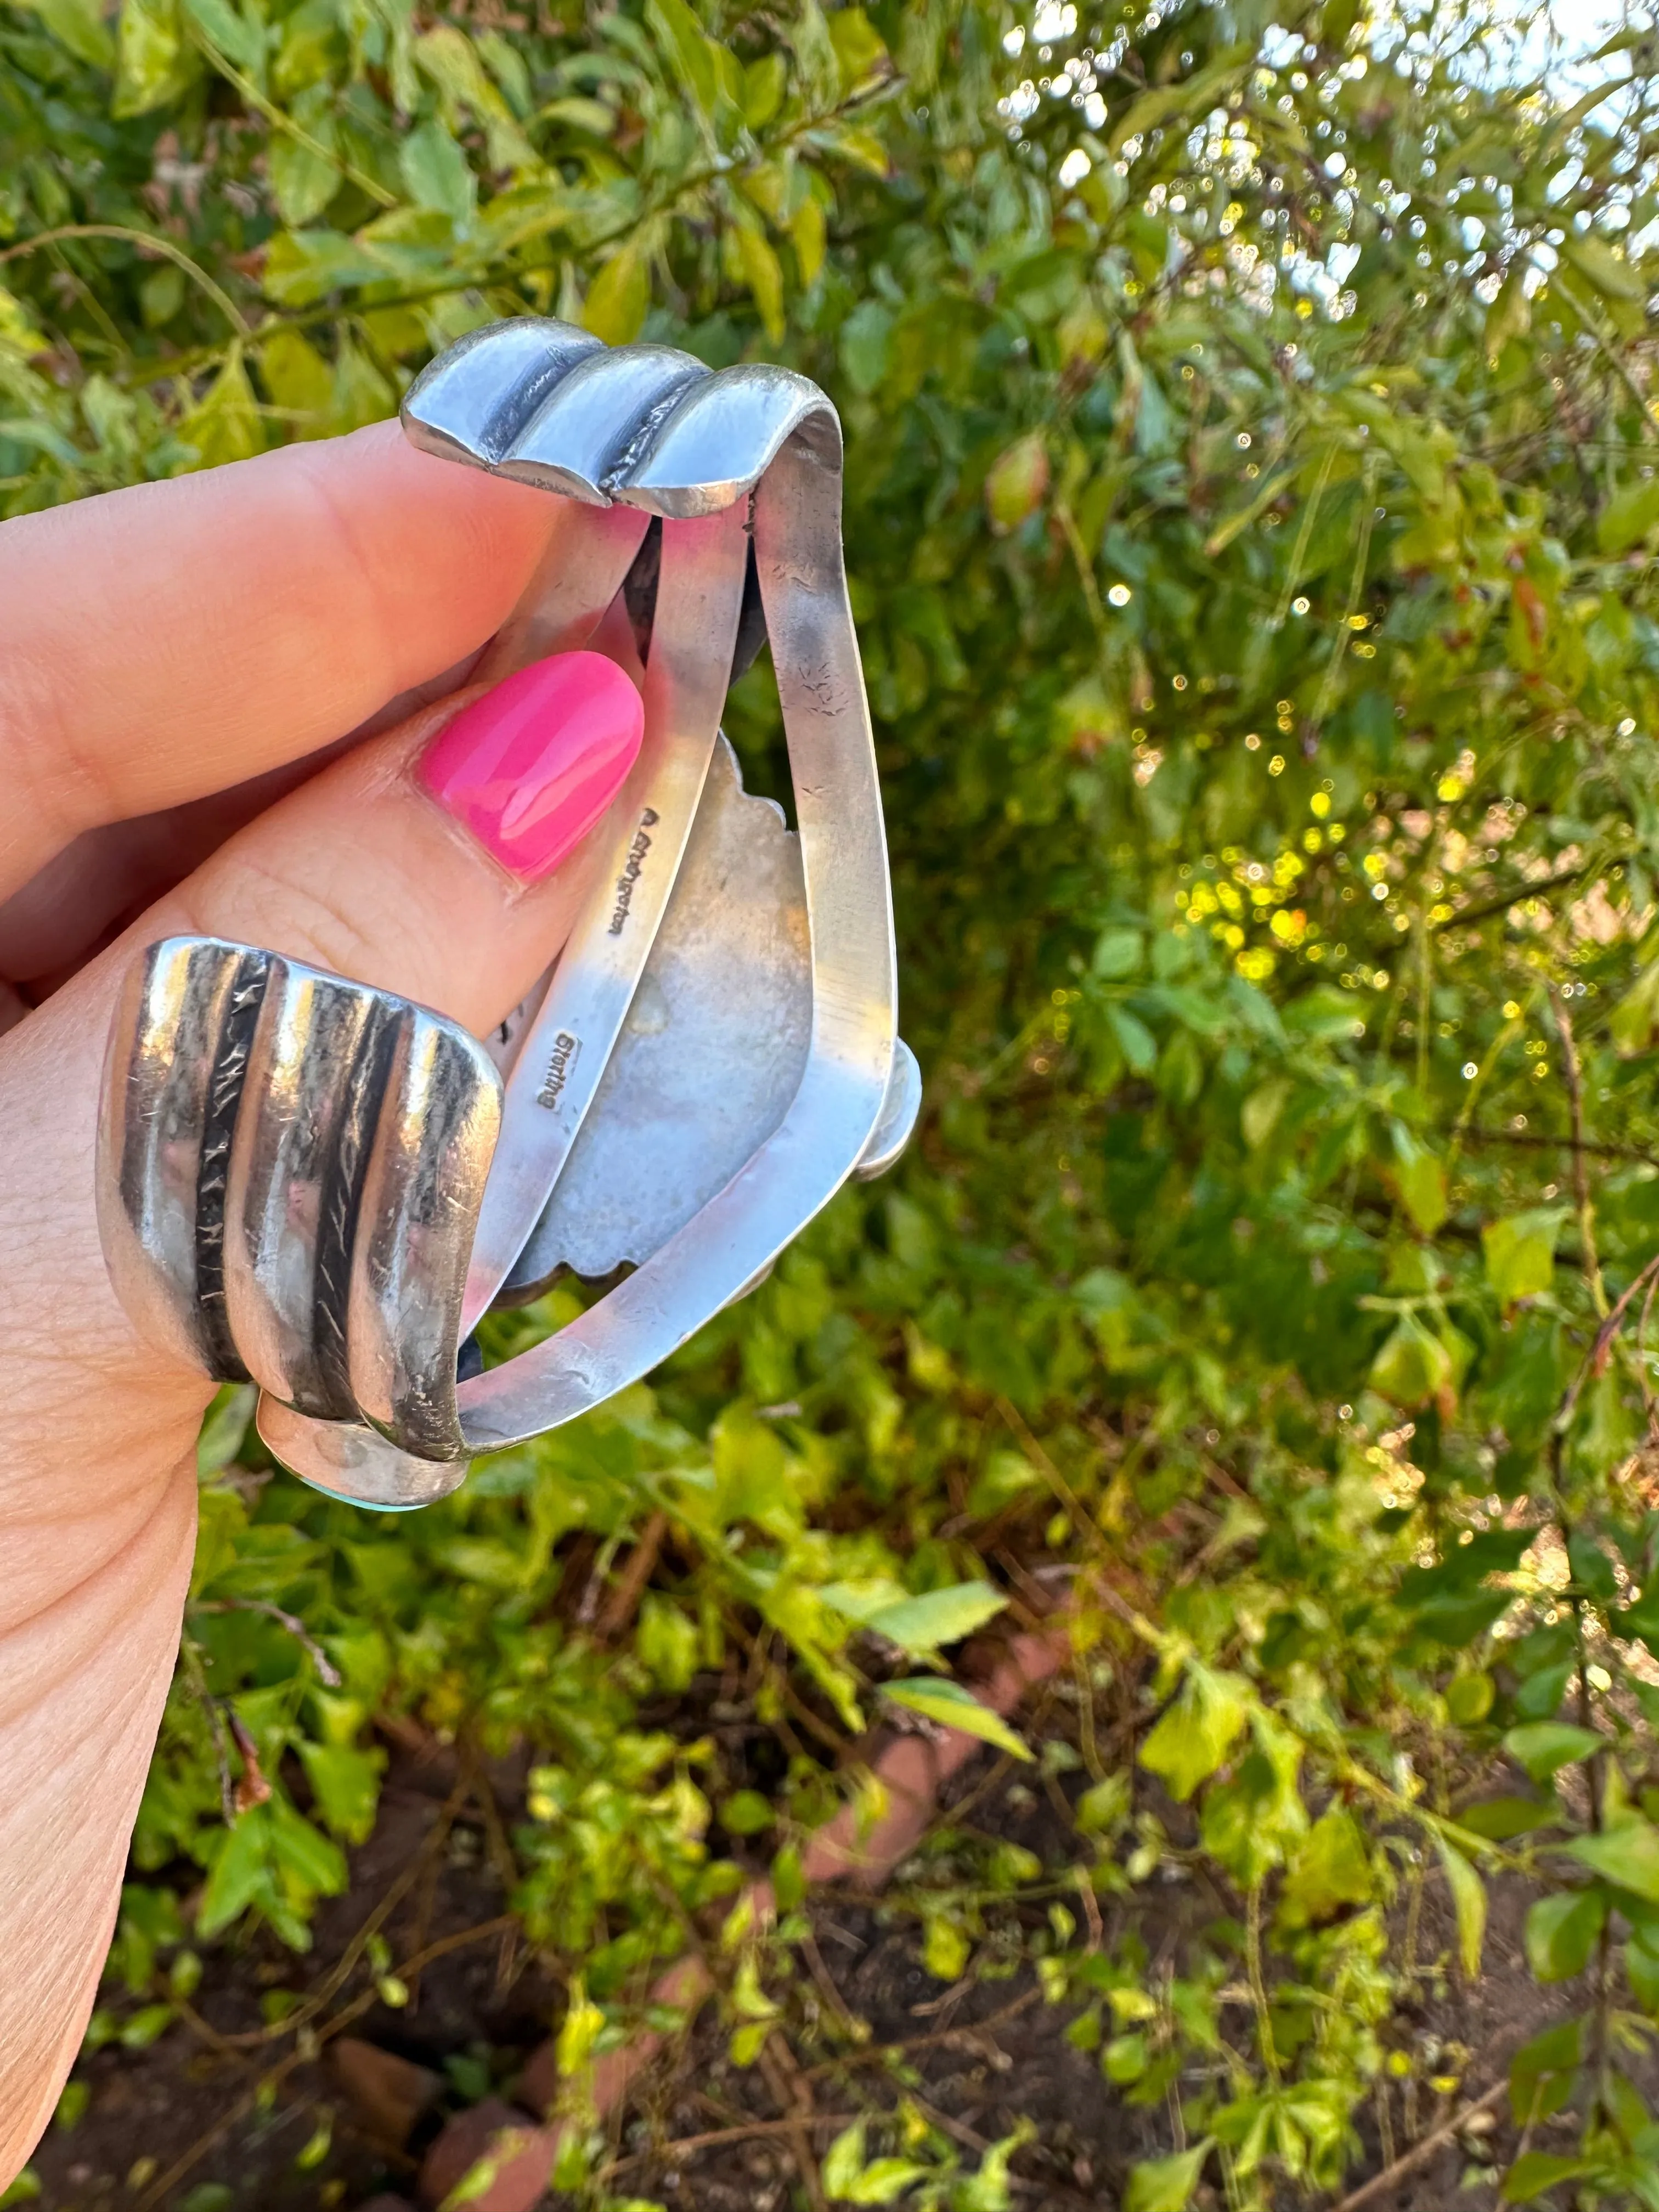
313 1078
712 1052
290 1168
173 1078
423 1183
897 1119
565 1048
700 1073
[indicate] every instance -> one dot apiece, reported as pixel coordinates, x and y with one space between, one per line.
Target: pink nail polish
530 768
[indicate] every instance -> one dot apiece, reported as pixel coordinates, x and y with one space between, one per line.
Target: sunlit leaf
952 1706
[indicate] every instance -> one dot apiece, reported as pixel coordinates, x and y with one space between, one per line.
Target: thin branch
680 2147
340 1972
1566 1143
190 1653
253 1788
975 2035
304 2053
1466 917
1575 1081
148 243
1608 351
285 124
1327 683
620 1606
794 2095
1421 2152
327 1672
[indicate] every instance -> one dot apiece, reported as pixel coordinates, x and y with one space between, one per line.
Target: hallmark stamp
561 1060
630 874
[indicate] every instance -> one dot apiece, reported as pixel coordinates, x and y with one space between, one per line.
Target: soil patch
221 2111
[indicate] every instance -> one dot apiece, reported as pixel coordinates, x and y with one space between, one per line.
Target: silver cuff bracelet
321 1188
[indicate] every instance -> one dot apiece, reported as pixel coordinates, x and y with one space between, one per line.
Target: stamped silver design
318 1187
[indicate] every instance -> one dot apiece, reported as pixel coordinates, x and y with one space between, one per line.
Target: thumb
426 863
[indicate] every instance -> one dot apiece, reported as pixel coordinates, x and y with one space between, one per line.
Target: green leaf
938 1617
952 1706
1634 1023
1468 1902
1412 1366
1520 1253
1561 1931
618 296
303 181
814 56
224 1426
229 33
297 378
745 1813
1626 1855
303 267
685 47
1498 1819
1165 2185
1542 2072
809 235
1529 2177
1332 1869
1194 1734
1592 1570
764 273
1628 516
146 2026
858 47
848 2180
764 83
1642 1971
438 174
1543 1748
1135 1041
1602 266
844 2162
945 1949
1151 108
346 1784
865 344
1510 315
225 425
1117 954
885 2179
154 61
1421 1182
79 25
449 58
241 1873
1258 1117
1018 481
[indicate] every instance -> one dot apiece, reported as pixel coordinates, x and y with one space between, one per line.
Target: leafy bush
1251 510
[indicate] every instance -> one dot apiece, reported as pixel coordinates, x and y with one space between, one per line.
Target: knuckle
322 909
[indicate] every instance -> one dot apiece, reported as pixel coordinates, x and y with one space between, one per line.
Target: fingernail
530 768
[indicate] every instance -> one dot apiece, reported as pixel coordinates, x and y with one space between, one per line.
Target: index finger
170 639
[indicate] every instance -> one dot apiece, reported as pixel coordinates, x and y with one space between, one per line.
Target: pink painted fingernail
530 768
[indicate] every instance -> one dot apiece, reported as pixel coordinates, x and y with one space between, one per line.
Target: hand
174 658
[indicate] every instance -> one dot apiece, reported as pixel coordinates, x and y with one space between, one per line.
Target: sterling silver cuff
322 1189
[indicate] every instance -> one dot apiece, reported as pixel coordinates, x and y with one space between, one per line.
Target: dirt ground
221 2112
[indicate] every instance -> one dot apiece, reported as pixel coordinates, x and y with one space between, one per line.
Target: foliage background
1251 511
